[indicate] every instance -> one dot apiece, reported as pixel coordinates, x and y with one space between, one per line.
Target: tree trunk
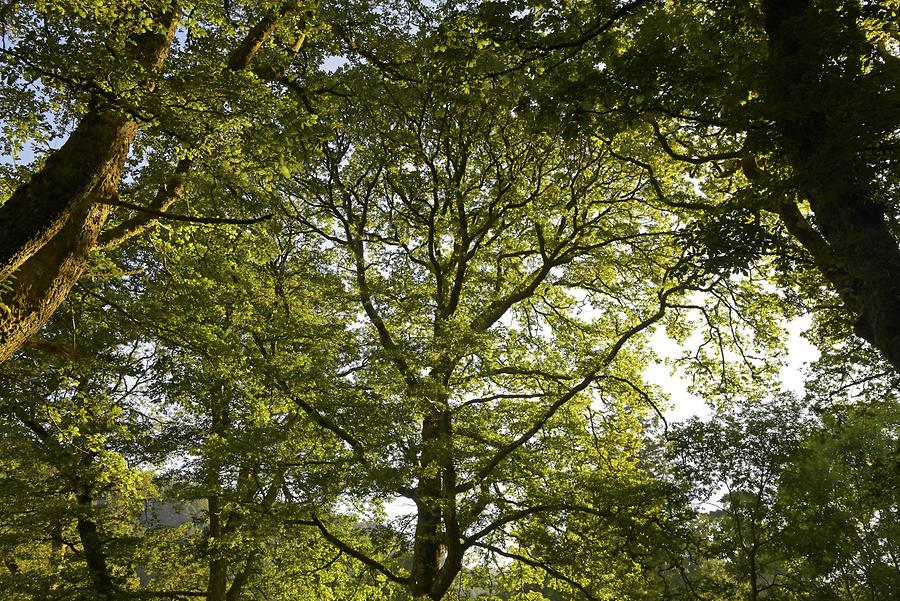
437 552
830 171
241 578
427 542
86 170
217 586
94 556
50 223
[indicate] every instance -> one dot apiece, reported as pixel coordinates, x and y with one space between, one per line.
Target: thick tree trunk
437 552
862 257
85 171
217 586
427 543
51 223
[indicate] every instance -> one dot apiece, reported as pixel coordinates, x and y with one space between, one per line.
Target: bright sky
686 405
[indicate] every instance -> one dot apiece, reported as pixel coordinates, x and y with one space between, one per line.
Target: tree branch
187 218
596 30
647 399
317 417
537 564
720 156
166 195
241 56
592 375
344 547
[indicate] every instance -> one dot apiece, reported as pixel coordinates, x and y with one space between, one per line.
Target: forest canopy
364 300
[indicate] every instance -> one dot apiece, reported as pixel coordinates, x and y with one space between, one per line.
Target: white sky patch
800 354
332 63
684 404
695 185
399 507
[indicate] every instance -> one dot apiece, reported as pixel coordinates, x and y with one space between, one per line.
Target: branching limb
346 548
698 160
647 399
586 381
167 194
260 33
598 28
314 414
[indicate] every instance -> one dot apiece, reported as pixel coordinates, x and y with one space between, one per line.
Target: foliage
419 370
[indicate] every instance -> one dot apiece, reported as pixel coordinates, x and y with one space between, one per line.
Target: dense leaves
360 300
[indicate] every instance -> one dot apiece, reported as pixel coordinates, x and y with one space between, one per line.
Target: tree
73 437
447 300
785 108
254 445
113 71
843 486
740 454
469 239
842 148
174 418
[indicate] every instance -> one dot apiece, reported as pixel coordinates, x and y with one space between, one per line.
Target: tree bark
217 585
51 222
862 257
437 550
427 542
92 545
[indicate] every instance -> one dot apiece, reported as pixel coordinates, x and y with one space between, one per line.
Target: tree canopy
359 300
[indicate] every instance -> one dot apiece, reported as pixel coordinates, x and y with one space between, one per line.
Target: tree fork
52 222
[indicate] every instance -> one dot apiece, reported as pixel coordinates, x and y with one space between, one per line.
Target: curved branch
709 158
598 29
586 381
241 56
317 417
358 555
647 399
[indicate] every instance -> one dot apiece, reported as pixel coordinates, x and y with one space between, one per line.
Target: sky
800 352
